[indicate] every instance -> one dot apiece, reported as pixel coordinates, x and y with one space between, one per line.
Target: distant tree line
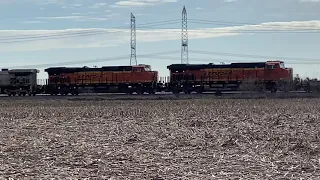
307 84
297 84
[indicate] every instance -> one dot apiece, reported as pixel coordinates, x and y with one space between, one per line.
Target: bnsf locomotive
140 79
112 79
204 77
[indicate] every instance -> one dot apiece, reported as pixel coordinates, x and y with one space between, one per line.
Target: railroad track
107 96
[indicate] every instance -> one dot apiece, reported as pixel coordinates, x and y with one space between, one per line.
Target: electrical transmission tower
184 38
133 58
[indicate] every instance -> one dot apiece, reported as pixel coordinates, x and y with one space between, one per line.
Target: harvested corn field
160 139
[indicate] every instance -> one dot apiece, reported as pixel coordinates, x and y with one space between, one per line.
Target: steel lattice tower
184 38
133 58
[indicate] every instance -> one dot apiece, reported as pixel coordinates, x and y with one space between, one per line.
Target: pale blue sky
25 19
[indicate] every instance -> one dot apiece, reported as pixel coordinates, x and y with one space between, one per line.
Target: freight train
141 79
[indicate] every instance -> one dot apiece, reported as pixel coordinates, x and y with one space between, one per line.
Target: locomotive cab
141 68
276 71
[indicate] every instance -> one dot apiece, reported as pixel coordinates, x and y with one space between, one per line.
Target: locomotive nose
290 72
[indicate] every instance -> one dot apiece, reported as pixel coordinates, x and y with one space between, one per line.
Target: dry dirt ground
160 139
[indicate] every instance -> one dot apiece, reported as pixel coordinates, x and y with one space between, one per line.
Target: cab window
271 66
137 70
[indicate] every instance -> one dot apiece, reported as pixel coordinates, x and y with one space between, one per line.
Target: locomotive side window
137 70
271 66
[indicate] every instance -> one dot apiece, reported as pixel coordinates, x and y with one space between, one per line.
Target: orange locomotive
202 77
128 79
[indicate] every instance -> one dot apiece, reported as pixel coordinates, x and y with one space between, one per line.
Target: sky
48 33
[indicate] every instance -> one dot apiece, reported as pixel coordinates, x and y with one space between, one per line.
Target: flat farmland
160 139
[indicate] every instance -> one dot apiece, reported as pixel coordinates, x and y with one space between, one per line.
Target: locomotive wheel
152 92
199 91
188 91
139 91
218 93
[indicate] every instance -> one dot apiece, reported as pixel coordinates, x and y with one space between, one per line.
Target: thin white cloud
115 37
33 22
47 2
309 0
61 17
80 17
76 5
98 5
128 3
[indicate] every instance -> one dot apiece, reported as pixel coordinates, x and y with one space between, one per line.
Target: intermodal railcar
19 82
107 79
204 77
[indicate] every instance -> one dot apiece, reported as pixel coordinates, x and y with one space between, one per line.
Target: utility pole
133 58
184 38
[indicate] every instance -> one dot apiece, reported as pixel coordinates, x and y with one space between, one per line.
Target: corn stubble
161 139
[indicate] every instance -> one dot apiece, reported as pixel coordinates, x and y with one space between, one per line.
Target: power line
209 60
250 56
79 33
116 58
36 37
228 30
161 22
88 30
245 23
158 55
56 37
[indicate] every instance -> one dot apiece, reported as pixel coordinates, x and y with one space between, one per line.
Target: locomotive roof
23 71
84 69
205 66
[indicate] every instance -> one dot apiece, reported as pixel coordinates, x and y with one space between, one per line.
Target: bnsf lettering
89 77
218 73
